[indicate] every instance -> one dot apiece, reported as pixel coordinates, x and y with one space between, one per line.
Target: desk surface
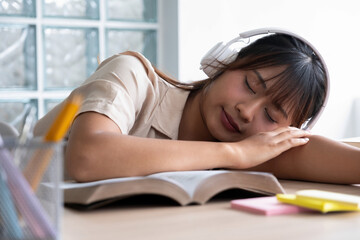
214 220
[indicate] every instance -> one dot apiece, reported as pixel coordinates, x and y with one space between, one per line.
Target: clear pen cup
48 192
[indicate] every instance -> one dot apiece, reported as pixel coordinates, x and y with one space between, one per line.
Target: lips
228 122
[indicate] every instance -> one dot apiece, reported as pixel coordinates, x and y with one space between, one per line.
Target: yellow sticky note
322 201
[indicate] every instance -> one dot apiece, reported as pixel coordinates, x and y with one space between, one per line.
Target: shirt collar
168 115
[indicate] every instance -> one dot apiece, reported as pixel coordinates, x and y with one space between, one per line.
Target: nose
247 110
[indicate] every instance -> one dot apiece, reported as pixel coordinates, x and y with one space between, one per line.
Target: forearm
107 155
320 160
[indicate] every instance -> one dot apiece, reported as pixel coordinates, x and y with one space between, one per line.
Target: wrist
231 155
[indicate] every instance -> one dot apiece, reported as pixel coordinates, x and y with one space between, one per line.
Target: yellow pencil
62 123
36 167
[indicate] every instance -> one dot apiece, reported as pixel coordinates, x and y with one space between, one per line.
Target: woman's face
236 106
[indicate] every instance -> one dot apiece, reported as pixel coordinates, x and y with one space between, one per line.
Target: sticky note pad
322 201
266 206
352 200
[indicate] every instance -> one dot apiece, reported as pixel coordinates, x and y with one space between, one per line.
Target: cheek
260 126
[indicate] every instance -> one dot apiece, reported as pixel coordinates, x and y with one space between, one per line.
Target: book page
72 185
187 180
184 179
352 141
182 186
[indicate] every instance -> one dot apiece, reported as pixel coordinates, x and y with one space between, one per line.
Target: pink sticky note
266 206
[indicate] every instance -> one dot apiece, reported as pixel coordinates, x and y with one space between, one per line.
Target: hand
264 146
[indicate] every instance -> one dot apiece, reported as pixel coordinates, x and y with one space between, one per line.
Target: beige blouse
126 89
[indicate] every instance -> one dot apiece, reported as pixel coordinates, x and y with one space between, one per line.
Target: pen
39 162
24 198
28 124
25 133
8 215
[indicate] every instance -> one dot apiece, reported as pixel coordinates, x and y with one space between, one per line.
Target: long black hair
302 84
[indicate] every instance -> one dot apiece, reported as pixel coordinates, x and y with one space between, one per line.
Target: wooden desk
214 220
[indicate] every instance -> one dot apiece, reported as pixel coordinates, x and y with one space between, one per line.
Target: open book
184 187
352 141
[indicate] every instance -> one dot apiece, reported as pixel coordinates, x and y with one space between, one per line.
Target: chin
225 136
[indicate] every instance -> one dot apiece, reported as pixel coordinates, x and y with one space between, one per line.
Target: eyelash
248 86
268 116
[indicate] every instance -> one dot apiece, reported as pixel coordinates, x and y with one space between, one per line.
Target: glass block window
49 47
12 111
21 8
120 40
70 55
88 9
17 57
51 103
132 10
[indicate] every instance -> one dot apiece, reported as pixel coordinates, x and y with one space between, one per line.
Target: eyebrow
282 110
261 79
263 83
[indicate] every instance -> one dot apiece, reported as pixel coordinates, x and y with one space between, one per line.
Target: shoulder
128 70
127 61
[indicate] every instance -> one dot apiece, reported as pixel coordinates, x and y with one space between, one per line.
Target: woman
247 116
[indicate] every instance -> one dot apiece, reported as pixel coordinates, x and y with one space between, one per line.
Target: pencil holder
31 200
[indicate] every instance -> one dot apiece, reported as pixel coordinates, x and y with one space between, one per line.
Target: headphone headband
222 53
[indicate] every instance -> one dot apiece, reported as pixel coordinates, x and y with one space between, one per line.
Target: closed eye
268 116
248 85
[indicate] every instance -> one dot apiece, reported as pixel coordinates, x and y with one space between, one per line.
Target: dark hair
302 83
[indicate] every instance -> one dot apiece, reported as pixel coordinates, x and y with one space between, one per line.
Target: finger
292 133
287 128
282 129
292 142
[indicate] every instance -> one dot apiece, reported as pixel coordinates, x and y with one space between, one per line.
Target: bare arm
320 160
98 150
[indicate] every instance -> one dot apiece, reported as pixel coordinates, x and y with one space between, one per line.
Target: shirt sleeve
122 87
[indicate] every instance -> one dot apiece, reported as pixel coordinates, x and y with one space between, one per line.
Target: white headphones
225 53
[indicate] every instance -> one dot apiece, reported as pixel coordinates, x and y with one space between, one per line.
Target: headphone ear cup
216 57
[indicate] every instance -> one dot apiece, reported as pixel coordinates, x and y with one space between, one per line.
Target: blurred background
48 47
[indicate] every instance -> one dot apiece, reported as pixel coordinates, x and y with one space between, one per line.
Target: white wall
332 26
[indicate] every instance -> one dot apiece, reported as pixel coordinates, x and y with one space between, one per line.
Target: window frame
166 53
